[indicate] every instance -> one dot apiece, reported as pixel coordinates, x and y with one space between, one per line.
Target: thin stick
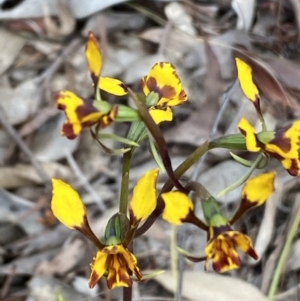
23 146
84 181
67 51
7 283
291 232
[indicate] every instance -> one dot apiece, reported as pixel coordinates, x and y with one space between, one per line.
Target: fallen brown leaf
211 287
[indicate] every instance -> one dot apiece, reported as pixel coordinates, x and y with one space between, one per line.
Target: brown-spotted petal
164 80
248 131
80 113
112 86
257 189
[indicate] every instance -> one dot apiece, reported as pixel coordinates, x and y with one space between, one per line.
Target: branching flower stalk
161 91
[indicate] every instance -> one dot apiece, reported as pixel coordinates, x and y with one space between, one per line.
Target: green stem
283 257
244 178
186 164
125 183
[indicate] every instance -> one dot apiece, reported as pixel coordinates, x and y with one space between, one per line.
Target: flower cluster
222 240
283 144
161 89
113 257
162 82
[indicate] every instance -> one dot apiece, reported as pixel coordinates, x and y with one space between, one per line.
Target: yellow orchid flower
94 60
81 113
116 260
222 239
221 248
113 258
163 80
283 144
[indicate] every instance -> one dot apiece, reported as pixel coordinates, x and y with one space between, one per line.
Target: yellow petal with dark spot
164 80
117 261
177 207
69 103
160 115
80 113
248 131
222 250
94 57
292 166
99 267
143 200
259 188
113 86
246 81
286 142
67 205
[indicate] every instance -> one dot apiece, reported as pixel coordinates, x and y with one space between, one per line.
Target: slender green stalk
186 164
125 183
127 291
244 178
283 257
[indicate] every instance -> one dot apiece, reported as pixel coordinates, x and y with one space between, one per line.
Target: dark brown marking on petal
122 85
246 204
94 278
61 106
182 96
256 103
258 143
176 75
165 91
67 130
95 79
151 84
251 252
294 170
138 274
133 220
106 120
161 65
112 275
243 132
219 230
223 260
281 141
121 271
217 266
111 251
124 276
85 109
